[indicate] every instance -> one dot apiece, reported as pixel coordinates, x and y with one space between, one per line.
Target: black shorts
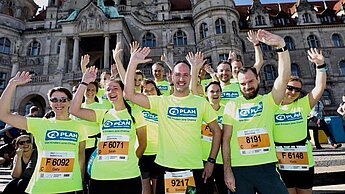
124 186
298 179
148 167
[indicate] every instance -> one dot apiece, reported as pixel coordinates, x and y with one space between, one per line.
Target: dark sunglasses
62 99
23 142
290 88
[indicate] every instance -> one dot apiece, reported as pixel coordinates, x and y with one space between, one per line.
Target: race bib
206 134
177 182
113 147
56 164
253 141
292 158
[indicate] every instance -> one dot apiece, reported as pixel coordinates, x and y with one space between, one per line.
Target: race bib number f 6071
56 164
177 182
113 147
253 141
292 158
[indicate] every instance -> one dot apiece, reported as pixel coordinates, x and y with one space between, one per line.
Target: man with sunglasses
294 151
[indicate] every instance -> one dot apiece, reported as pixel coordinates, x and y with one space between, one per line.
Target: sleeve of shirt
272 105
82 129
100 115
209 113
304 102
139 118
229 114
34 124
154 102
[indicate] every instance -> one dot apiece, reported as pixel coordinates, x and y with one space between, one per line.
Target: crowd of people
186 134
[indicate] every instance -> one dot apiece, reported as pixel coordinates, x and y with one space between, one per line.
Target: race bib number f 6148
292 158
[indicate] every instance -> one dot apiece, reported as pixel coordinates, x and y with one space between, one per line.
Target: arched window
269 72
337 41
326 97
34 48
265 47
260 20
342 67
223 56
234 27
307 18
289 43
203 30
220 26
149 40
58 47
180 38
5 45
313 41
2 80
295 70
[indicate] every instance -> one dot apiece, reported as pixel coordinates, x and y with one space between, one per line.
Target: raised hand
208 68
114 70
232 55
116 52
138 55
252 37
316 56
84 61
270 39
134 46
21 78
164 58
196 60
90 74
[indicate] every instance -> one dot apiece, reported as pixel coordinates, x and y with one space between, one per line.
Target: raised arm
316 57
83 62
209 69
165 59
259 60
17 121
196 62
284 63
138 56
17 164
75 109
118 64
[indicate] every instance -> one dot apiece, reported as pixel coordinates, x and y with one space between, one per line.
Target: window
342 67
223 56
260 20
2 80
295 70
289 43
313 41
307 18
269 72
220 26
58 47
326 97
203 30
149 40
337 41
34 48
265 47
234 27
180 38
5 45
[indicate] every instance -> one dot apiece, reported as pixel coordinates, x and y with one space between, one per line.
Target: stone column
106 52
15 65
62 56
75 62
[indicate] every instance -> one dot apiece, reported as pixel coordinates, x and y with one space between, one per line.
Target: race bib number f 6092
253 141
292 158
177 182
113 147
56 164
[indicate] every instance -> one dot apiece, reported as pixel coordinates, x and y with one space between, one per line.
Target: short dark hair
295 78
60 89
244 70
34 109
213 83
150 81
224 62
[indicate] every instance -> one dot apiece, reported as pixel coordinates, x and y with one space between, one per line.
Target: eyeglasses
62 99
290 88
23 142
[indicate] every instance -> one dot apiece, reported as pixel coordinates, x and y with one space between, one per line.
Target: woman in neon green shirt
60 141
294 151
115 168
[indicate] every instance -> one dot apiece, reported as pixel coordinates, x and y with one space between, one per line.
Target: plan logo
164 88
117 124
182 112
61 135
150 116
250 112
229 95
288 117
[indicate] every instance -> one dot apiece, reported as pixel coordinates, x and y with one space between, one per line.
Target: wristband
84 83
321 66
211 160
279 50
322 69
257 44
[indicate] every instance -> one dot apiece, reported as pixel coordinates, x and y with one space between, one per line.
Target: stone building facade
49 44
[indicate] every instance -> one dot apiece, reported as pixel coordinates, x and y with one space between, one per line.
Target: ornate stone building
49 44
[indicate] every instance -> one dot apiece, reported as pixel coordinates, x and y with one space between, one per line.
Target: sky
42 3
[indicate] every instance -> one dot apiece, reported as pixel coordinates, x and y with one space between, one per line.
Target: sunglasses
62 99
290 88
23 142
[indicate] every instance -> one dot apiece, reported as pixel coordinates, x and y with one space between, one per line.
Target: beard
250 95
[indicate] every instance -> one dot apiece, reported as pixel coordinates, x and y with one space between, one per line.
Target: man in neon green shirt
180 117
248 128
157 72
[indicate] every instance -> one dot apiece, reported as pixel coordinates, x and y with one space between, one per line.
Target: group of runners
184 135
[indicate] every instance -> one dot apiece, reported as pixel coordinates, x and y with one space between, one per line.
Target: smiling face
214 93
24 142
235 66
114 91
249 84
224 72
137 80
181 78
60 103
157 72
292 92
90 92
149 89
